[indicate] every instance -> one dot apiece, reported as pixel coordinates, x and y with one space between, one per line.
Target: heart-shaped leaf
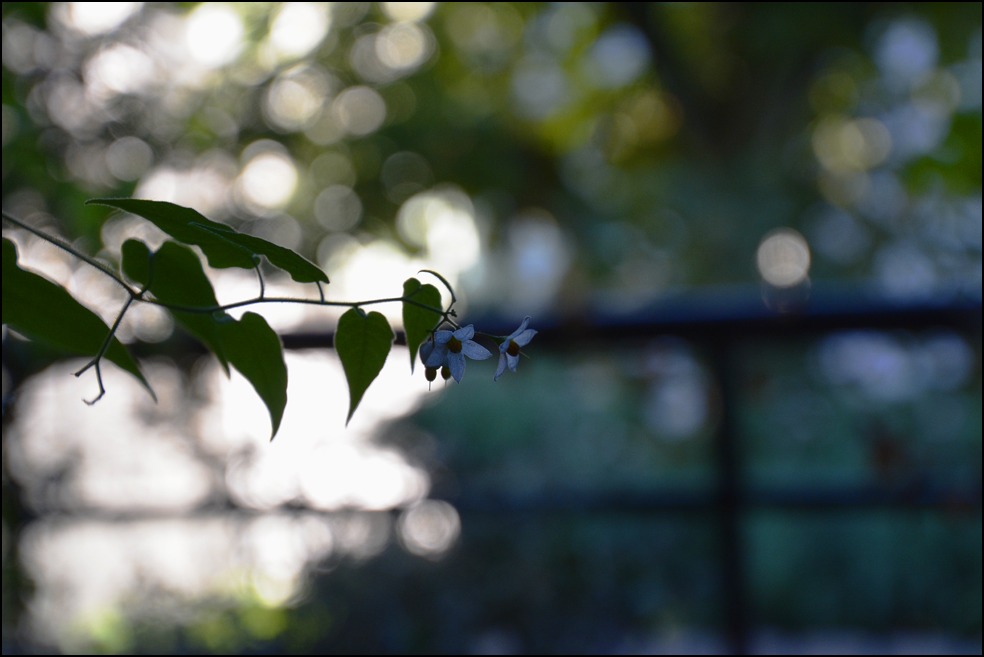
255 350
418 320
362 342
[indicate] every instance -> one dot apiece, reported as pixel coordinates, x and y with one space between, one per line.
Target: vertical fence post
729 500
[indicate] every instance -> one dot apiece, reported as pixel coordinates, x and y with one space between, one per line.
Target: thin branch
65 246
321 301
442 279
259 275
104 348
99 378
310 302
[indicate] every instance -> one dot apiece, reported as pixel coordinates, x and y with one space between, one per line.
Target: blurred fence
719 325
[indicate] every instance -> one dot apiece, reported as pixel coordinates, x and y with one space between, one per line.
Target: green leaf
362 342
419 322
255 350
222 245
174 275
44 311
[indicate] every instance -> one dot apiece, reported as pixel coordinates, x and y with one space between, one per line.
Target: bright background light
783 258
214 34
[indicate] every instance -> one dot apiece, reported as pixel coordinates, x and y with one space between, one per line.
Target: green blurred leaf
222 245
362 342
255 350
174 275
419 322
44 311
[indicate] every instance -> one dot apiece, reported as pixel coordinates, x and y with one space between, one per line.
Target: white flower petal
524 338
475 351
456 363
438 354
501 368
522 327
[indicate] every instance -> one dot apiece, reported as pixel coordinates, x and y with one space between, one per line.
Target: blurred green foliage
663 140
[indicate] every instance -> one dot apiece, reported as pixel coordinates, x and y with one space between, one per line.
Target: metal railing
719 324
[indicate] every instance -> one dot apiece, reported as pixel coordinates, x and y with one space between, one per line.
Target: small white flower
449 348
509 349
